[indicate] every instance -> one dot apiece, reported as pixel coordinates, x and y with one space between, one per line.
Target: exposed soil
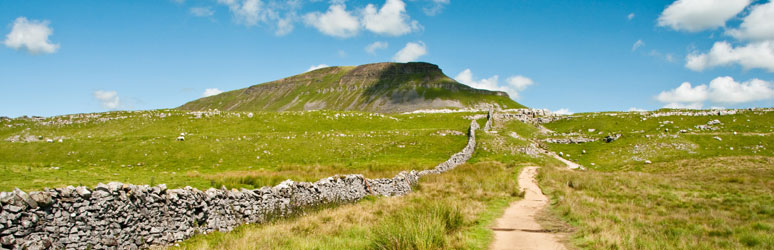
517 228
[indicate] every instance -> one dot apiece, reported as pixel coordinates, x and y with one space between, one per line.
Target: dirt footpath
517 228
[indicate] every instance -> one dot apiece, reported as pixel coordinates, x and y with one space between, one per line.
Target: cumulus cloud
371 48
315 67
749 56
633 109
758 25
723 90
201 11
211 92
726 90
513 85
390 20
337 21
637 45
31 36
630 16
435 7
685 93
563 111
698 15
411 52
108 99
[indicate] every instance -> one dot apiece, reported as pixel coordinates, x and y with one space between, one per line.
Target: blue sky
63 57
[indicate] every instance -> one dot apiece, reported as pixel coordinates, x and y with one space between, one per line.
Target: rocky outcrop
125 216
571 140
531 116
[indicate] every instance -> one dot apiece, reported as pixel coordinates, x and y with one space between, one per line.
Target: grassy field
228 148
698 193
452 210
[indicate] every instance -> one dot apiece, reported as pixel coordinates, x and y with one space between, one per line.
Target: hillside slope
378 87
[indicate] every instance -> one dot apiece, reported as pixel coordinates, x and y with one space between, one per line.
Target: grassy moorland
226 148
699 192
452 210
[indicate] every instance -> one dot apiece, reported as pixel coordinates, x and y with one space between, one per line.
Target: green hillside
378 87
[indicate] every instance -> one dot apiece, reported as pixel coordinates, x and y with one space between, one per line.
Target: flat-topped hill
378 87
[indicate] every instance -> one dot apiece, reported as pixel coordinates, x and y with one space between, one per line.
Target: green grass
713 203
698 193
140 148
650 139
448 211
453 210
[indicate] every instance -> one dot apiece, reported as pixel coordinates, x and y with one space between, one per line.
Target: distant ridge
377 87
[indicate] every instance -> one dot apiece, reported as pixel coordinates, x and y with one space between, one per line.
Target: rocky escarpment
125 216
377 87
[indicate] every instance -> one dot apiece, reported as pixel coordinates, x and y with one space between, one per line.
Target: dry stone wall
125 216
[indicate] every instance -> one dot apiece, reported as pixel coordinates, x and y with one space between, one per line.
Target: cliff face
378 87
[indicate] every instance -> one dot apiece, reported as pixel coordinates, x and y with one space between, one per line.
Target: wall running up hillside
125 216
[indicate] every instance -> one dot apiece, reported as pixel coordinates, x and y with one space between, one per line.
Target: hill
378 87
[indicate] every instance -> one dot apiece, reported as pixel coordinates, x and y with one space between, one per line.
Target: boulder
83 192
42 198
25 197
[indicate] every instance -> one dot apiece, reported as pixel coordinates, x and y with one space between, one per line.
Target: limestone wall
125 216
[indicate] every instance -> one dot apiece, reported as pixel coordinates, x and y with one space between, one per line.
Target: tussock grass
419 227
448 211
712 203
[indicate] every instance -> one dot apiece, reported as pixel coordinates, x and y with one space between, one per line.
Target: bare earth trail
517 228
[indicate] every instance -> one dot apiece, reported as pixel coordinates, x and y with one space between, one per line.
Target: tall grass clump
419 227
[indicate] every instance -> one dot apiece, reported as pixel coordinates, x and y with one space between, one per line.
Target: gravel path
517 228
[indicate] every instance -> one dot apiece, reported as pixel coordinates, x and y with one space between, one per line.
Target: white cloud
758 25
201 11
720 90
513 85
278 15
637 45
563 111
630 16
685 93
285 25
315 67
371 48
211 92
390 20
726 90
411 52
698 15
31 36
108 99
696 105
519 83
752 55
247 12
435 7
337 21
633 109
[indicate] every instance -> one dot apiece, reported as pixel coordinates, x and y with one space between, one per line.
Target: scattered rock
612 138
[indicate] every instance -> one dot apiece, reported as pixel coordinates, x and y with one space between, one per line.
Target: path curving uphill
517 228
